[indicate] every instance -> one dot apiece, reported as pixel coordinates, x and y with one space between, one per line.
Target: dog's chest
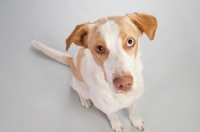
110 102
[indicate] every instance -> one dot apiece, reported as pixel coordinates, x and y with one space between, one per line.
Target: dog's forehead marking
109 28
111 33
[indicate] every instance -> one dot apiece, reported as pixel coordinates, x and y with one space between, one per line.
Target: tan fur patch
130 50
95 39
76 71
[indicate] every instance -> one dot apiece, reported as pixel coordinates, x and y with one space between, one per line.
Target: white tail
59 56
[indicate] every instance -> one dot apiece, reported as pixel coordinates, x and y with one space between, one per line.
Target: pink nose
123 83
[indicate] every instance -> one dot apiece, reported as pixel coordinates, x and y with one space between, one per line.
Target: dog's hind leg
83 92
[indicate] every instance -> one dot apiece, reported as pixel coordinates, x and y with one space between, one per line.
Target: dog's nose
123 83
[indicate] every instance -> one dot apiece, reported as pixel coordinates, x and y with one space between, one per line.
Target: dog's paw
116 126
137 122
85 102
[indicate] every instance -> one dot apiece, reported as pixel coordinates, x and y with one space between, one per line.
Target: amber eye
100 49
130 42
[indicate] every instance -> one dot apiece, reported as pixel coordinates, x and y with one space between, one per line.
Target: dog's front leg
115 123
135 118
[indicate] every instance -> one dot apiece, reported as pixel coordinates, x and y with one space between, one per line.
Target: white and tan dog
107 70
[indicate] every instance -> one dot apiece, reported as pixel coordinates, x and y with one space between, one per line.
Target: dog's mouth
124 91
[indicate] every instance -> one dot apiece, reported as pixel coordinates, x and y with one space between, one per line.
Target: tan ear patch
147 23
78 36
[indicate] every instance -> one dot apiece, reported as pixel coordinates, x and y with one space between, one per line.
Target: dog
107 69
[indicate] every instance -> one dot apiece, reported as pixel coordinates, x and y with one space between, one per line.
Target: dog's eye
100 49
130 42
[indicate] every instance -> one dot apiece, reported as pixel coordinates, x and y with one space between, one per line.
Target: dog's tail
59 56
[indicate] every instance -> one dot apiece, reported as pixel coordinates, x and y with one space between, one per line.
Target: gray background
35 95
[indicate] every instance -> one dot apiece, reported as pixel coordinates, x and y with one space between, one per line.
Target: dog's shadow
125 112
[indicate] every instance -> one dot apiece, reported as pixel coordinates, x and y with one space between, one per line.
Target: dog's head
113 43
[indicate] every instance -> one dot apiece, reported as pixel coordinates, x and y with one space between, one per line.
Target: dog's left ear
147 23
78 36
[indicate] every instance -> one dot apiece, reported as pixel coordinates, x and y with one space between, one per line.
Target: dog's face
113 43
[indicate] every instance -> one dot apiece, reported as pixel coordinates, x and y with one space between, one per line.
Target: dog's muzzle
123 84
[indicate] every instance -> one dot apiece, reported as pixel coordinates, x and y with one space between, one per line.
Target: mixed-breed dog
107 69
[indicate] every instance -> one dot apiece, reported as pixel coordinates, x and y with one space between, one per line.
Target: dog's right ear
78 36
